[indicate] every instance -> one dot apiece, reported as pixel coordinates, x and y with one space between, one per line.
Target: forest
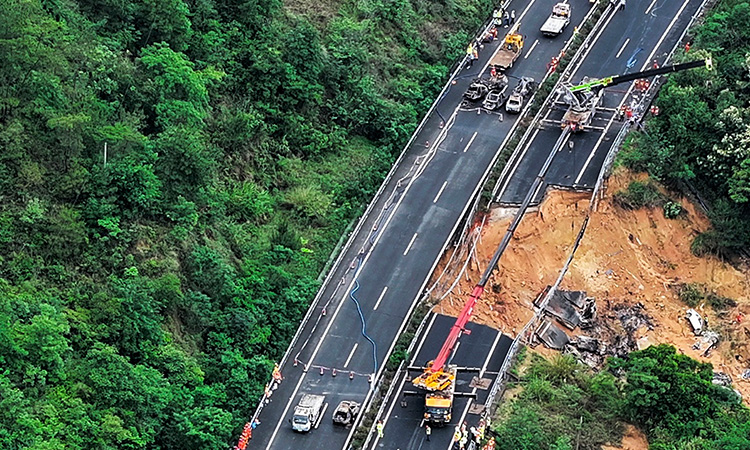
559 404
174 176
699 143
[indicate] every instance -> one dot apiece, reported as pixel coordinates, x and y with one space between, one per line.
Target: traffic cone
351 375
333 372
322 371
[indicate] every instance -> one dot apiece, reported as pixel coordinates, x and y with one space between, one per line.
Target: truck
523 89
511 49
438 404
557 21
308 412
346 412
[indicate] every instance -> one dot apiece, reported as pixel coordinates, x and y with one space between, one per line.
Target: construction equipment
584 98
557 21
523 89
511 49
308 412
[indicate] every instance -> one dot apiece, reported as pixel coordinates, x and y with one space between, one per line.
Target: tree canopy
700 141
174 176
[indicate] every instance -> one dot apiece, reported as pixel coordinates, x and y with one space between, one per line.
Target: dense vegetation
700 141
174 175
670 396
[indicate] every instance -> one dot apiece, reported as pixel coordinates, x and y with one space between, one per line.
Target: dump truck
511 49
346 412
557 21
307 413
523 89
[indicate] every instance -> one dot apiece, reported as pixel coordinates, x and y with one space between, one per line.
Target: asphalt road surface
631 40
485 348
576 166
389 258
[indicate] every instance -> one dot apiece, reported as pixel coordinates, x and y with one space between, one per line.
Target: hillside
174 176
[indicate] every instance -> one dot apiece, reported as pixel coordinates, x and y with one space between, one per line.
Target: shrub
672 210
639 195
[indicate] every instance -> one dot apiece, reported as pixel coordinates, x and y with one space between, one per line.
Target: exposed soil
634 439
627 257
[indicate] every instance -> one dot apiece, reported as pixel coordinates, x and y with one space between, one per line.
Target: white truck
308 412
557 21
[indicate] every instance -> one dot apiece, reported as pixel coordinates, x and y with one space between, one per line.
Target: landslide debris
634 262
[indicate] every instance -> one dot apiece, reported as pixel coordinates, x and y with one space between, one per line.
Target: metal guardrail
526 333
549 99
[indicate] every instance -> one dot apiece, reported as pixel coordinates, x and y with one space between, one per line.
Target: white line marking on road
382 294
518 161
531 49
481 372
320 417
403 379
663 36
349 358
473 136
408 247
625 97
650 6
440 192
623 48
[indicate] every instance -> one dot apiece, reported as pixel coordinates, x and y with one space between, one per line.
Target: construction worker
506 19
497 17
380 427
470 55
427 431
457 434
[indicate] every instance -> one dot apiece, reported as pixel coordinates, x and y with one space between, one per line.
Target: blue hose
364 325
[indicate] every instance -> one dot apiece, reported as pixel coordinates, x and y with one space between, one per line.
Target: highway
395 247
631 40
484 348
574 167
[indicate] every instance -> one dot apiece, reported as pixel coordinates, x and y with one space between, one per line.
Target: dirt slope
625 257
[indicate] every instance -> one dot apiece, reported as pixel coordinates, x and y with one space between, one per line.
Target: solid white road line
518 161
348 359
623 48
320 417
593 151
650 6
666 32
481 372
382 294
625 97
440 192
473 136
403 379
531 49
408 247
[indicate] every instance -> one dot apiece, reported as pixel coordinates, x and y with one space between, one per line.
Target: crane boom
618 79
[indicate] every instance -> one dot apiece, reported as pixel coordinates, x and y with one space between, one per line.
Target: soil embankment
627 257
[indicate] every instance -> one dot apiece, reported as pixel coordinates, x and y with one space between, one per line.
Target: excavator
584 98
